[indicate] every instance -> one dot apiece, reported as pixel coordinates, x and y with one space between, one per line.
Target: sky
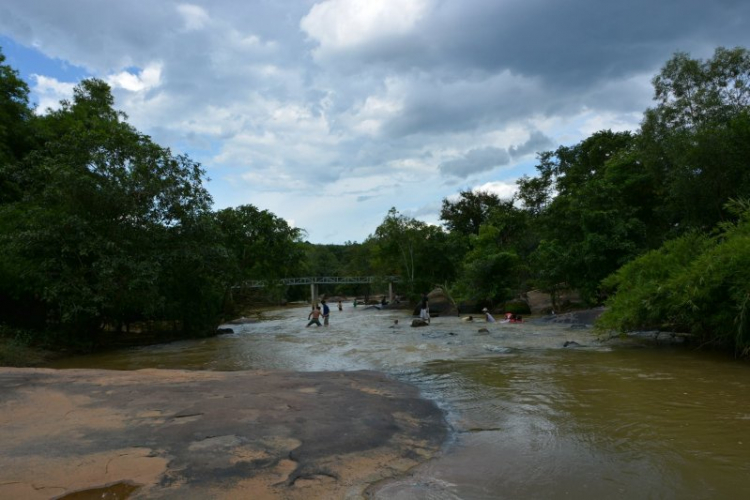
330 112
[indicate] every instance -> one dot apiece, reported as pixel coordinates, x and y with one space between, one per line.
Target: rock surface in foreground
183 434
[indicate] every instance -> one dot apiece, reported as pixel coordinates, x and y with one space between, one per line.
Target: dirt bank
185 434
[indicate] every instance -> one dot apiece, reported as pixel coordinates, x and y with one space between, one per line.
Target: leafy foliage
589 205
101 228
414 250
467 214
696 284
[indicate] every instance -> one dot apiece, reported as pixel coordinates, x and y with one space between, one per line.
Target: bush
697 283
16 349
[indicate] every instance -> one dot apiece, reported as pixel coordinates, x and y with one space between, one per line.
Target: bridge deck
322 280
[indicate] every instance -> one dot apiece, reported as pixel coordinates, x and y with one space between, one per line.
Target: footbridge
314 281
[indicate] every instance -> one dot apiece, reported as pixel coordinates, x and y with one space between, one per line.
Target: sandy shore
190 434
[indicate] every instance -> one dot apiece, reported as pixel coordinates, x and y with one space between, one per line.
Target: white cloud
147 79
50 92
503 189
345 24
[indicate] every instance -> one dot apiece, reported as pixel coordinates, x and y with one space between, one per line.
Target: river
530 418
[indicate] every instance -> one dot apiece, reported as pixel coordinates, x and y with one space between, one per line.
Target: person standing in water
326 312
424 312
315 315
341 307
488 316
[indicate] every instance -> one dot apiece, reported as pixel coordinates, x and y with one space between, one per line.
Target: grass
17 353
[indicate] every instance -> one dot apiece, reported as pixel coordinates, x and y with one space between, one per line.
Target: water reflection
532 419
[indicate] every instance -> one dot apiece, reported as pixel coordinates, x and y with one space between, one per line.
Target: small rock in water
571 343
418 322
221 331
483 330
497 348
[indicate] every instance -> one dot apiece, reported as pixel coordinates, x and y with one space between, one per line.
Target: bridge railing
322 280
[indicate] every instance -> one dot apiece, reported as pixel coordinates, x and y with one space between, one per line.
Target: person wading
315 315
326 312
424 312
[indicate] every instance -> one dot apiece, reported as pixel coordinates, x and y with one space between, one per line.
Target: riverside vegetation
103 232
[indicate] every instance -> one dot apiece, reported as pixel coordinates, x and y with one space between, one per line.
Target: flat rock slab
196 434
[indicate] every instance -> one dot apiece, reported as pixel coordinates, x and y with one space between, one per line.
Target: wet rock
418 322
268 433
222 331
571 344
440 304
483 331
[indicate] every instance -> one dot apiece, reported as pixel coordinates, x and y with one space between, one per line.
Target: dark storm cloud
537 142
476 161
480 160
475 64
571 42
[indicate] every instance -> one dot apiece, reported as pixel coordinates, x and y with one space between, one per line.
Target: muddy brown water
530 418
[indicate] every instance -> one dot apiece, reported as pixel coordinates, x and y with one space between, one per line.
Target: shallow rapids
531 418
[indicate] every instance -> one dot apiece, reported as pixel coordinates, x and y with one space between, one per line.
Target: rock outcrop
440 304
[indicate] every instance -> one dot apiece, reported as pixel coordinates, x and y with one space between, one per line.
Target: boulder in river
440 304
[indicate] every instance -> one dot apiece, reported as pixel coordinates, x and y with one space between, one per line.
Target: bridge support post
390 292
313 294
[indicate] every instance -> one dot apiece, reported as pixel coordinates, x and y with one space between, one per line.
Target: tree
693 284
15 118
106 215
414 250
692 93
698 135
263 246
588 209
467 214
490 271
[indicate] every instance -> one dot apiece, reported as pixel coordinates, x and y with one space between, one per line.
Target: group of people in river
489 318
509 317
316 313
424 313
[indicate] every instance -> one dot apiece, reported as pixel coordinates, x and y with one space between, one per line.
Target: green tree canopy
693 284
414 250
15 127
263 246
697 138
467 214
105 215
586 206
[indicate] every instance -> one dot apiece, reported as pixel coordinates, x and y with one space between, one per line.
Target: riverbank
197 434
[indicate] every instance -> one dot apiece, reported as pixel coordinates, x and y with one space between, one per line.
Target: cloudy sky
329 112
